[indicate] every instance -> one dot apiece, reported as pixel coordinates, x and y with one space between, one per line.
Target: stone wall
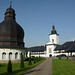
13 61
71 58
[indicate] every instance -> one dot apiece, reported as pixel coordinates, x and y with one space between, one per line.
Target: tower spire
10 12
53 27
10 4
53 30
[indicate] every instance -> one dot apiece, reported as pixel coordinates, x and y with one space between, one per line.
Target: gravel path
44 68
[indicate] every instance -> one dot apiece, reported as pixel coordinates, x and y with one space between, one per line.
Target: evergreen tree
9 66
26 53
30 54
22 62
34 60
39 58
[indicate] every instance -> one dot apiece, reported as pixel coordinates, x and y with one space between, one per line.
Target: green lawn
16 68
63 67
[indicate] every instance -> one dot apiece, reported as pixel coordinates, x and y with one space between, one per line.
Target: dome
53 30
11 33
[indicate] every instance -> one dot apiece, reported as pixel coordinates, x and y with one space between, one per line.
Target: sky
37 17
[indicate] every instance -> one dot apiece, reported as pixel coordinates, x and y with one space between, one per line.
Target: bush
59 57
22 62
73 55
26 53
34 59
37 59
9 66
62 55
30 61
67 57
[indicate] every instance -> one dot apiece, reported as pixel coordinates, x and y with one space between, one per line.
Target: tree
30 61
39 58
22 62
34 59
9 66
26 53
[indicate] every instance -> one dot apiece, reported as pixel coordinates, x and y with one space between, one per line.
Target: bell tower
54 37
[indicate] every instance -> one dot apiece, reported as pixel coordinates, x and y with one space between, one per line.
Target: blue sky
37 17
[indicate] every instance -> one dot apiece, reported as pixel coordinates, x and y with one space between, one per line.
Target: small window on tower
52 40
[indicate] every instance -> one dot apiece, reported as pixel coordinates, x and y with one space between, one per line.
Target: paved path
44 68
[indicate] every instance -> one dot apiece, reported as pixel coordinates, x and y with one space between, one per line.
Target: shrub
9 66
67 57
62 55
30 61
59 57
34 59
37 59
73 55
26 53
22 62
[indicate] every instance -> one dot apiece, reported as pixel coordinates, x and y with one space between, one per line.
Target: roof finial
10 4
53 26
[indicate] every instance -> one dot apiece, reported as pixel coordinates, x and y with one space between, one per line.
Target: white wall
48 48
13 51
55 37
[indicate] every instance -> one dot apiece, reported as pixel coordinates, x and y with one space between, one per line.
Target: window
10 55
16 55
3 55
52 40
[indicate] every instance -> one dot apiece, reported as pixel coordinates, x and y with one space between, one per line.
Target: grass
16 68
63 67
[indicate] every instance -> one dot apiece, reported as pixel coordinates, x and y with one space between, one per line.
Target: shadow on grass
31 71
20 71
1 65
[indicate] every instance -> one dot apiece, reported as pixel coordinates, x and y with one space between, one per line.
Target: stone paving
44 68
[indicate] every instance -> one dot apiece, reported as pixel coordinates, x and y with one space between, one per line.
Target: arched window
52 40
3 55
10 55
16 55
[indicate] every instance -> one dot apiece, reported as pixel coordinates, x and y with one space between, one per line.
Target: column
18 55
0 55
7 55
13 55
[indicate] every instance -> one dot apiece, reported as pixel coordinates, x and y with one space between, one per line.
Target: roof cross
10 4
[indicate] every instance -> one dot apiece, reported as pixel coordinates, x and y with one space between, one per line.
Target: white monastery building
54 41
48 49
52 48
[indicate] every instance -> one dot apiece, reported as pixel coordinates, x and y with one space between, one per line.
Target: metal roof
71 48
36 49
66 46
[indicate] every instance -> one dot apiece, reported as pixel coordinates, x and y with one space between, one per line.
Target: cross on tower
10 4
